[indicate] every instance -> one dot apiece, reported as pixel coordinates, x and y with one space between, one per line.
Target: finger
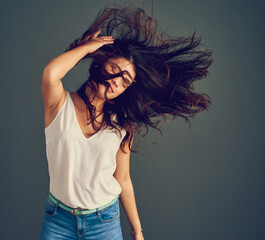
108 39
96 33
108 42
104 38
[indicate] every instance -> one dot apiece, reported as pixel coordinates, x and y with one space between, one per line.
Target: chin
111 96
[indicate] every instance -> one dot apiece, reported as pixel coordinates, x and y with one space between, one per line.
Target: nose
116 81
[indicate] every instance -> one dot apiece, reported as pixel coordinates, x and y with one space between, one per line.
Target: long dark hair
166 68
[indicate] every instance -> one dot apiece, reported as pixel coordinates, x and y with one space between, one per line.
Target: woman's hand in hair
96 42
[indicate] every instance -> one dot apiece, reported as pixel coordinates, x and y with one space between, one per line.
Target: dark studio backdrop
206 182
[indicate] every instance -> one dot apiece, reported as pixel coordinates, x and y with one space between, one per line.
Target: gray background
201 183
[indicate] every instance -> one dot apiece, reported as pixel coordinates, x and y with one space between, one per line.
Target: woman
136 76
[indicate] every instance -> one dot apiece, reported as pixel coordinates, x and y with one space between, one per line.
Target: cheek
121 91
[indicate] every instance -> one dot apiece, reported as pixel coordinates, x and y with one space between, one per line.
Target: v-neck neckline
78 125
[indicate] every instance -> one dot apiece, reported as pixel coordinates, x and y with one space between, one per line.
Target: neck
97 102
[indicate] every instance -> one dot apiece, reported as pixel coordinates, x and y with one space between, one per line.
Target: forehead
124 64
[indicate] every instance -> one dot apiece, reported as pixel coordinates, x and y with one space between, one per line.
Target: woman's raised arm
60 65
51 86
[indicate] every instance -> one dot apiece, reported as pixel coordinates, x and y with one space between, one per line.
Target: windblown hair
166 68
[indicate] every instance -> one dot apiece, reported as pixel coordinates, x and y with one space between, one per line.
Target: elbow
49 75
123 179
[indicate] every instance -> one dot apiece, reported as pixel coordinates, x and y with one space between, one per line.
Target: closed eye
126 80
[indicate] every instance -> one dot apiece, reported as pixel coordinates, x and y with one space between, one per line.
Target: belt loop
57 205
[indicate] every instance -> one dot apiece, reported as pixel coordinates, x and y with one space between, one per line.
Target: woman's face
117 85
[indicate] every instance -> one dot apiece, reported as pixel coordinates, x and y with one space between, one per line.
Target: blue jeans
59 224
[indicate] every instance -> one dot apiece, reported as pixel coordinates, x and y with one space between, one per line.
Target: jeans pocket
109 213
50 208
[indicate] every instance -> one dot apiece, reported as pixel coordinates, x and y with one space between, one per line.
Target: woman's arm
60 65
122 175
51 85
129 205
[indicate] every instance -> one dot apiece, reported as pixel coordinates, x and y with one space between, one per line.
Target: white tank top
81 169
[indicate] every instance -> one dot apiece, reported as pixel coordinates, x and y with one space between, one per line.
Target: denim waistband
80 211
